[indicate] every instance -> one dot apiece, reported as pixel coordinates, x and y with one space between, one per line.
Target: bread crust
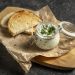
5 19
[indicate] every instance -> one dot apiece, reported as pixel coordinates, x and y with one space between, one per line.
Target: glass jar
46 42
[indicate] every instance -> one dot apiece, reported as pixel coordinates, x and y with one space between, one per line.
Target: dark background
63 10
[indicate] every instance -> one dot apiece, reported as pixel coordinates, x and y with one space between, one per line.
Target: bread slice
21 21
4 23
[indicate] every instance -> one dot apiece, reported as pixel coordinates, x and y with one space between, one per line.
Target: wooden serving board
64 62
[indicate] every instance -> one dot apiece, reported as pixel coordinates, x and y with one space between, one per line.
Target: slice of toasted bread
21 21
4 23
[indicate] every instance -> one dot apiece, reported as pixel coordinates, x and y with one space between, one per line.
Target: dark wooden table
63 10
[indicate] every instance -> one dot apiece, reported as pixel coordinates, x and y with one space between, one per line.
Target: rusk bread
21 21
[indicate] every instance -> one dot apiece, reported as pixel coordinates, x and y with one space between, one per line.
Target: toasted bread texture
21 21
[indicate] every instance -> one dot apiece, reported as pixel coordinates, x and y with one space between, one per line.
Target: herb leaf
50 30
43 31
47 30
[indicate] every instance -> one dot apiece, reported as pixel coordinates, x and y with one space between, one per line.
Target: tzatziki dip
46 36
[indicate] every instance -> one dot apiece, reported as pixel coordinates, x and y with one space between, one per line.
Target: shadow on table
8 63
48 71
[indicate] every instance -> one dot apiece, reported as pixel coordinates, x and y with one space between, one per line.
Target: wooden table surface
63 10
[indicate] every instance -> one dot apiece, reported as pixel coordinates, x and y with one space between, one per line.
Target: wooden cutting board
66 61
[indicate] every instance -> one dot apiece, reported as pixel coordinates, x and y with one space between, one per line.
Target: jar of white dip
46 36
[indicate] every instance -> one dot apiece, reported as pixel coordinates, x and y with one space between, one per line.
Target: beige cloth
23 48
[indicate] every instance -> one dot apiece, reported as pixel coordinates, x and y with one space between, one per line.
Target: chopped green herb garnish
47 30
50 30
43 31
